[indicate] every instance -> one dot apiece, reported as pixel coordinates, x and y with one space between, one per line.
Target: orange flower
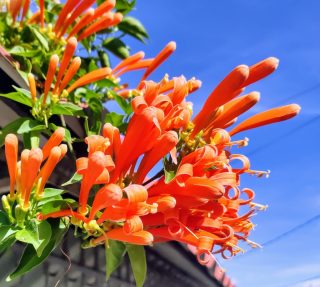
11 151
66 58
25 174
268 117
96 165
54 61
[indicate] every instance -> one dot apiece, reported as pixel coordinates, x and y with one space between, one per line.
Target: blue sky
213 37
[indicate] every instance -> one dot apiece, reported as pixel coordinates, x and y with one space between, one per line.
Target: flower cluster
196 198
76 18
29 175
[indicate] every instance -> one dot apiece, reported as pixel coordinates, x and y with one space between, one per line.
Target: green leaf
29 259
38 235
21 51
74 179
51 192
7 237
169 175
115 252
4 219
117 47
57 205
133 27
20 125
95 105
18 97
6 232
44 231
124 105
104 59
30 126
68 109
125 6
115 119
137 256
4 245
43 41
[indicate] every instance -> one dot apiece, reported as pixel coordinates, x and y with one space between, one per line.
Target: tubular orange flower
142 133
104 22
90 78
55 139
261 70
229 88
96 165
235 108
11 151
67 8
54 60
160 58
85 20
25 10
164 144
47 169
129 61
72 70
32 85
98 25
67 55
103 8
79 9
133 225
14 7
139 238
24 171
268 117
107 196
41 4
33 165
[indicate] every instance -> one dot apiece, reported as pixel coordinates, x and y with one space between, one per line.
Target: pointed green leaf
12 127
133 27
21 51
57 205
29 126
19 98
43 41
68 109
74 179
51 192
115 119
137 256
124 105
29 259
117 47
115 252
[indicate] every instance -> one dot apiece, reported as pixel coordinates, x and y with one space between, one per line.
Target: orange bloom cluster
203 204
56 82
34 168
76 18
